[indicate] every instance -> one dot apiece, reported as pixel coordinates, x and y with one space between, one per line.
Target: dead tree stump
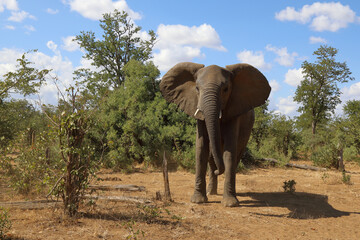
340 163
167 195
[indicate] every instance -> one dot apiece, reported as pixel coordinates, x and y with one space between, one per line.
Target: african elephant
222 101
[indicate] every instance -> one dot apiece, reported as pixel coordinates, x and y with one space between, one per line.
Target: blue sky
275 36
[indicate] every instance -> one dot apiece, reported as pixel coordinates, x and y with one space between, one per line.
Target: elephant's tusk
220 115
197 110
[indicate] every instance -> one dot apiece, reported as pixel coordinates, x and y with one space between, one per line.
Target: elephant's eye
226 89
197 89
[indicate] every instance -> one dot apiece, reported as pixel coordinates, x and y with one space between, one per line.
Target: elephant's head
210 93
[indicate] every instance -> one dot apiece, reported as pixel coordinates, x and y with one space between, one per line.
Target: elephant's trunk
211 112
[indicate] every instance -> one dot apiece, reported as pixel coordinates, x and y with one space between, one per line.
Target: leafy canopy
142 124
121 42
26 80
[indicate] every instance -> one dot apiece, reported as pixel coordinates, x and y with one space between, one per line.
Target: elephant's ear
178 86
250 89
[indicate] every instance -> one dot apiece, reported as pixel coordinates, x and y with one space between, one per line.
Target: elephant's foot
230 201
211 190
213 185
198 198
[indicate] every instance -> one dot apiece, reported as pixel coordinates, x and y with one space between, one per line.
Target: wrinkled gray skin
222 101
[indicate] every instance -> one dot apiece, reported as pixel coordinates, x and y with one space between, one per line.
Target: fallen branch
30 205
55 186
128 187
301 166
119 199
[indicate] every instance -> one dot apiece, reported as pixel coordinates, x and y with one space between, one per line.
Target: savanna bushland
114 119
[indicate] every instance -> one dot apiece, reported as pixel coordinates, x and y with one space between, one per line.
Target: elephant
222 100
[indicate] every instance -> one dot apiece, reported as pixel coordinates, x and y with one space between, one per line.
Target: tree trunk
313 125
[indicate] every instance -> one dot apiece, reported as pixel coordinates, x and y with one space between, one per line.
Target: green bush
346 178
274 135
351 154
325 156
270 149
289 186
18 116
34 167
141 124
186 159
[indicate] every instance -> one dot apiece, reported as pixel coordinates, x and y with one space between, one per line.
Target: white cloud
19 16
168 57
53 47
348 93
69 44
201 36
94 9
284 58
9 55
351 92
321 16
52 11
30 28
314 40
293 77
178 43
9 5
86 63
275 86
254 58
10 27
61 68
286 106
8 60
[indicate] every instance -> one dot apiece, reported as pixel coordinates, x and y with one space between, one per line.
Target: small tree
15 114
72 123
142 124
26 80
318 92
132 131
121 42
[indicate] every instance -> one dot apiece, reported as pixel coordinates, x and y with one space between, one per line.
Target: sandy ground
322 207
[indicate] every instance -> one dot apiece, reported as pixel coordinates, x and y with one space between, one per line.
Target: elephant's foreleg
230 160
229 195
202 155
213 179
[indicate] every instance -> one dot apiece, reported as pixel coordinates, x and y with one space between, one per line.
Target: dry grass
321 208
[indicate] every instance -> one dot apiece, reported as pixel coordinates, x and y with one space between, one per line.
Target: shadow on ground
301 205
